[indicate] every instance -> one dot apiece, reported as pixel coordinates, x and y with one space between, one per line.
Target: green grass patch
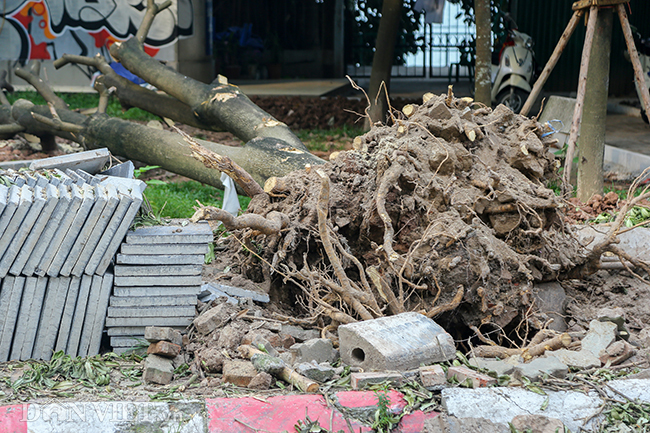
80 101
324 140
175 200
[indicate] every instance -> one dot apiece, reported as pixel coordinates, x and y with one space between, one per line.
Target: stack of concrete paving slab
59 231
157 281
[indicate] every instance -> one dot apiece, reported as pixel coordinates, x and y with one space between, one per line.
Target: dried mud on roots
446 211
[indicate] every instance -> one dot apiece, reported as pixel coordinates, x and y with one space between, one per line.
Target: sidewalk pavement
228 415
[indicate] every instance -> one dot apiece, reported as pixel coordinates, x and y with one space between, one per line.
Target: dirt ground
444 232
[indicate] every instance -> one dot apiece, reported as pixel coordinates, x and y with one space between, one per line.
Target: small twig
41 87
152 10
58 124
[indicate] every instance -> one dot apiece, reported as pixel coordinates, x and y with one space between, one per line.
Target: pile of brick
59 231
165 345
157 280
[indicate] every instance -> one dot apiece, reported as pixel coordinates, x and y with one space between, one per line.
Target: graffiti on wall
46 29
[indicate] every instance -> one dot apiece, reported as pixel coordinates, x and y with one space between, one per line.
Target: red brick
164 348
433 375
238 372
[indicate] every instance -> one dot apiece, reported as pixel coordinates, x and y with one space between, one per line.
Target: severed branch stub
285 373
211 159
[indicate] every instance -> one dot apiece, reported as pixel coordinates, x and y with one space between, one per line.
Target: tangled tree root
445 211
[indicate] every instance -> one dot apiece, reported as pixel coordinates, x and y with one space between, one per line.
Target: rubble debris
546 366
466 375
238 372
154 334
317 349
360 380
318 372
164 348
617 353
550 300
433 376
537 424
211 291
399 342
284 373
444 423
214 318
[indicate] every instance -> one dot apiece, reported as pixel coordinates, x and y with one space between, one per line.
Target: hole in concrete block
358 355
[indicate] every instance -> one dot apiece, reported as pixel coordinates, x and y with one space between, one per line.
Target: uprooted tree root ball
445 211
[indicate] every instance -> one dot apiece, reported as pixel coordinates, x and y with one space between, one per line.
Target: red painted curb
12 419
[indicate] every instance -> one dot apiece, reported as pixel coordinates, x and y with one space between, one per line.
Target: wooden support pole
582 84
559 49
634 57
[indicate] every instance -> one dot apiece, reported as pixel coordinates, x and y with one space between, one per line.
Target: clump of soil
446 210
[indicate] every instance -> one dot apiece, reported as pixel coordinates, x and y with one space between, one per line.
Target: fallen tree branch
152 10
272 224
31 76
528 352
285 373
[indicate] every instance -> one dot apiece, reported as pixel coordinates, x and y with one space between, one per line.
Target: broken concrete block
599 336
23 229
400 342
538 367
432 376
550 299
237 292
214 318
537 424
362 380
125 170
617 352
79 316
198 233
162 259
467 375
164 348
238 372
316 349
52 201
91 161
158 369
318 372
582 359
154 334
157 270
444 423
500 367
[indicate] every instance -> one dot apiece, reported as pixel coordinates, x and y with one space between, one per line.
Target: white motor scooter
511 78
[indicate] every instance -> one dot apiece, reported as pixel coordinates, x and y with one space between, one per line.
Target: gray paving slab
56 312
24 203
56 230
124 170
182 280
73 231
51 292
100 315
172 234
123 206
97 231
111 249
4 191
152 301
240 293
29 290
43 181
29 180
68 314
135 341
13 199
132 331
89 318
87 177
11 314
157 270
19 181
162 259
148 321
64 178
156 291
34 317
92 161
162 311
5 296
23 230
87 226
79 316
52 197
159 249
78 180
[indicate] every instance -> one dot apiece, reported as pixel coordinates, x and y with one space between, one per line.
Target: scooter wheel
512 98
